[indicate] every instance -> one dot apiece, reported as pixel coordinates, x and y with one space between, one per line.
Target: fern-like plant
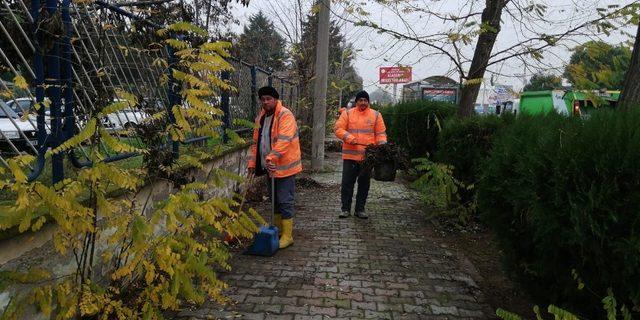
156 257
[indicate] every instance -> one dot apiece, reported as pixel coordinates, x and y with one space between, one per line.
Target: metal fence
247 79
74 58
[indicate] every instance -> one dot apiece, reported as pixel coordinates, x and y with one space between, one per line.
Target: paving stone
299 293
284 300
368 291
386 292
357 296
324 294
389 266
237 298
252 316
278 317
295 309
338 303
273 308
471 313
368 314
305 317
351 313
258 299
311 301
364 305
408 308
444 310
413 316
370 298
328 311
389 307
325 282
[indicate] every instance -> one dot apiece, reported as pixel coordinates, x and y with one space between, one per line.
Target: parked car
10 126
123 120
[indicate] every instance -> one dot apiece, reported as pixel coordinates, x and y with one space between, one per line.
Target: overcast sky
376 50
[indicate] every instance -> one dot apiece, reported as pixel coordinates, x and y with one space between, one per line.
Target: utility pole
320 92
395 89
340 80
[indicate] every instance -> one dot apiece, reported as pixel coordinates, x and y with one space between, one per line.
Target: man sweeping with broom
276 151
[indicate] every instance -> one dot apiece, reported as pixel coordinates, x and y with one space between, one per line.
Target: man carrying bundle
357 127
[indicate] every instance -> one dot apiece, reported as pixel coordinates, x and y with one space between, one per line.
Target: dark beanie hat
268 91
362 94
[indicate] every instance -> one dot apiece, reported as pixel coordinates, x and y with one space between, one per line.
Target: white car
124 119
11 124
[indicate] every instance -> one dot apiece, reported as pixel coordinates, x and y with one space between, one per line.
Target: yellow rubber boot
286 233
277 221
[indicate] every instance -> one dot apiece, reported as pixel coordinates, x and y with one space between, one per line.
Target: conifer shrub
561 195
465 143
414 126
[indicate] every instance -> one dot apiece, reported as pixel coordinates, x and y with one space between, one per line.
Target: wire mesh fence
63 61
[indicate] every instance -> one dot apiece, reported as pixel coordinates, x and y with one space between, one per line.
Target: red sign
395 75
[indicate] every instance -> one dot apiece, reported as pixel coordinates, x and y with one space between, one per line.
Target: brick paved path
386 267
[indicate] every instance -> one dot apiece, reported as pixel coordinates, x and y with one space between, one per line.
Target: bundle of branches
385 154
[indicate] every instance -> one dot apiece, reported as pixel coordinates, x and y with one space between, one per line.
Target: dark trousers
352 171
285 194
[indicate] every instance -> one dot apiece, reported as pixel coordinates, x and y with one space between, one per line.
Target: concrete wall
36 249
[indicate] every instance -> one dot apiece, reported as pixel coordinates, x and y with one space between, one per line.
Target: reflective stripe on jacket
362 127
285 144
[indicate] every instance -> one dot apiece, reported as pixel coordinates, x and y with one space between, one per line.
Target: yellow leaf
16 171
20 82
38 224
76 140
6 94
150 274
187 27
129 97
177 44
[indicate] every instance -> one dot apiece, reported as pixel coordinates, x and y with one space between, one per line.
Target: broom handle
273 198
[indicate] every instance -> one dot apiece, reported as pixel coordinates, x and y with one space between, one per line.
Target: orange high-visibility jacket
285 144
362 127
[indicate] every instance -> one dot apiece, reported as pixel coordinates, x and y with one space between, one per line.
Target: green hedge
563 194
414 126
465 143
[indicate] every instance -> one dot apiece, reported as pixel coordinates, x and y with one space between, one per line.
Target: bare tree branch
551 40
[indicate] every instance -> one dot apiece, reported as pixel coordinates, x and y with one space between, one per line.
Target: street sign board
439 94
390 75
503 93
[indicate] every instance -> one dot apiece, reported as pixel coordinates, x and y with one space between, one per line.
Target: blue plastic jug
265 242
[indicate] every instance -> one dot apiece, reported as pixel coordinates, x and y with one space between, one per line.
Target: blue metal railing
65 72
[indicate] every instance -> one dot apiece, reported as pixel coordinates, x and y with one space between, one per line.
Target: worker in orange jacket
276 151
357 127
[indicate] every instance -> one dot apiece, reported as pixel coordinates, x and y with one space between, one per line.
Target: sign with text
390 75
440 94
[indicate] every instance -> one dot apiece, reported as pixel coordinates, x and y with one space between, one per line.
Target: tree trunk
491 23
631 88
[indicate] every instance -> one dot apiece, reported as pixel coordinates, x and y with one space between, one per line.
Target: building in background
435 88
